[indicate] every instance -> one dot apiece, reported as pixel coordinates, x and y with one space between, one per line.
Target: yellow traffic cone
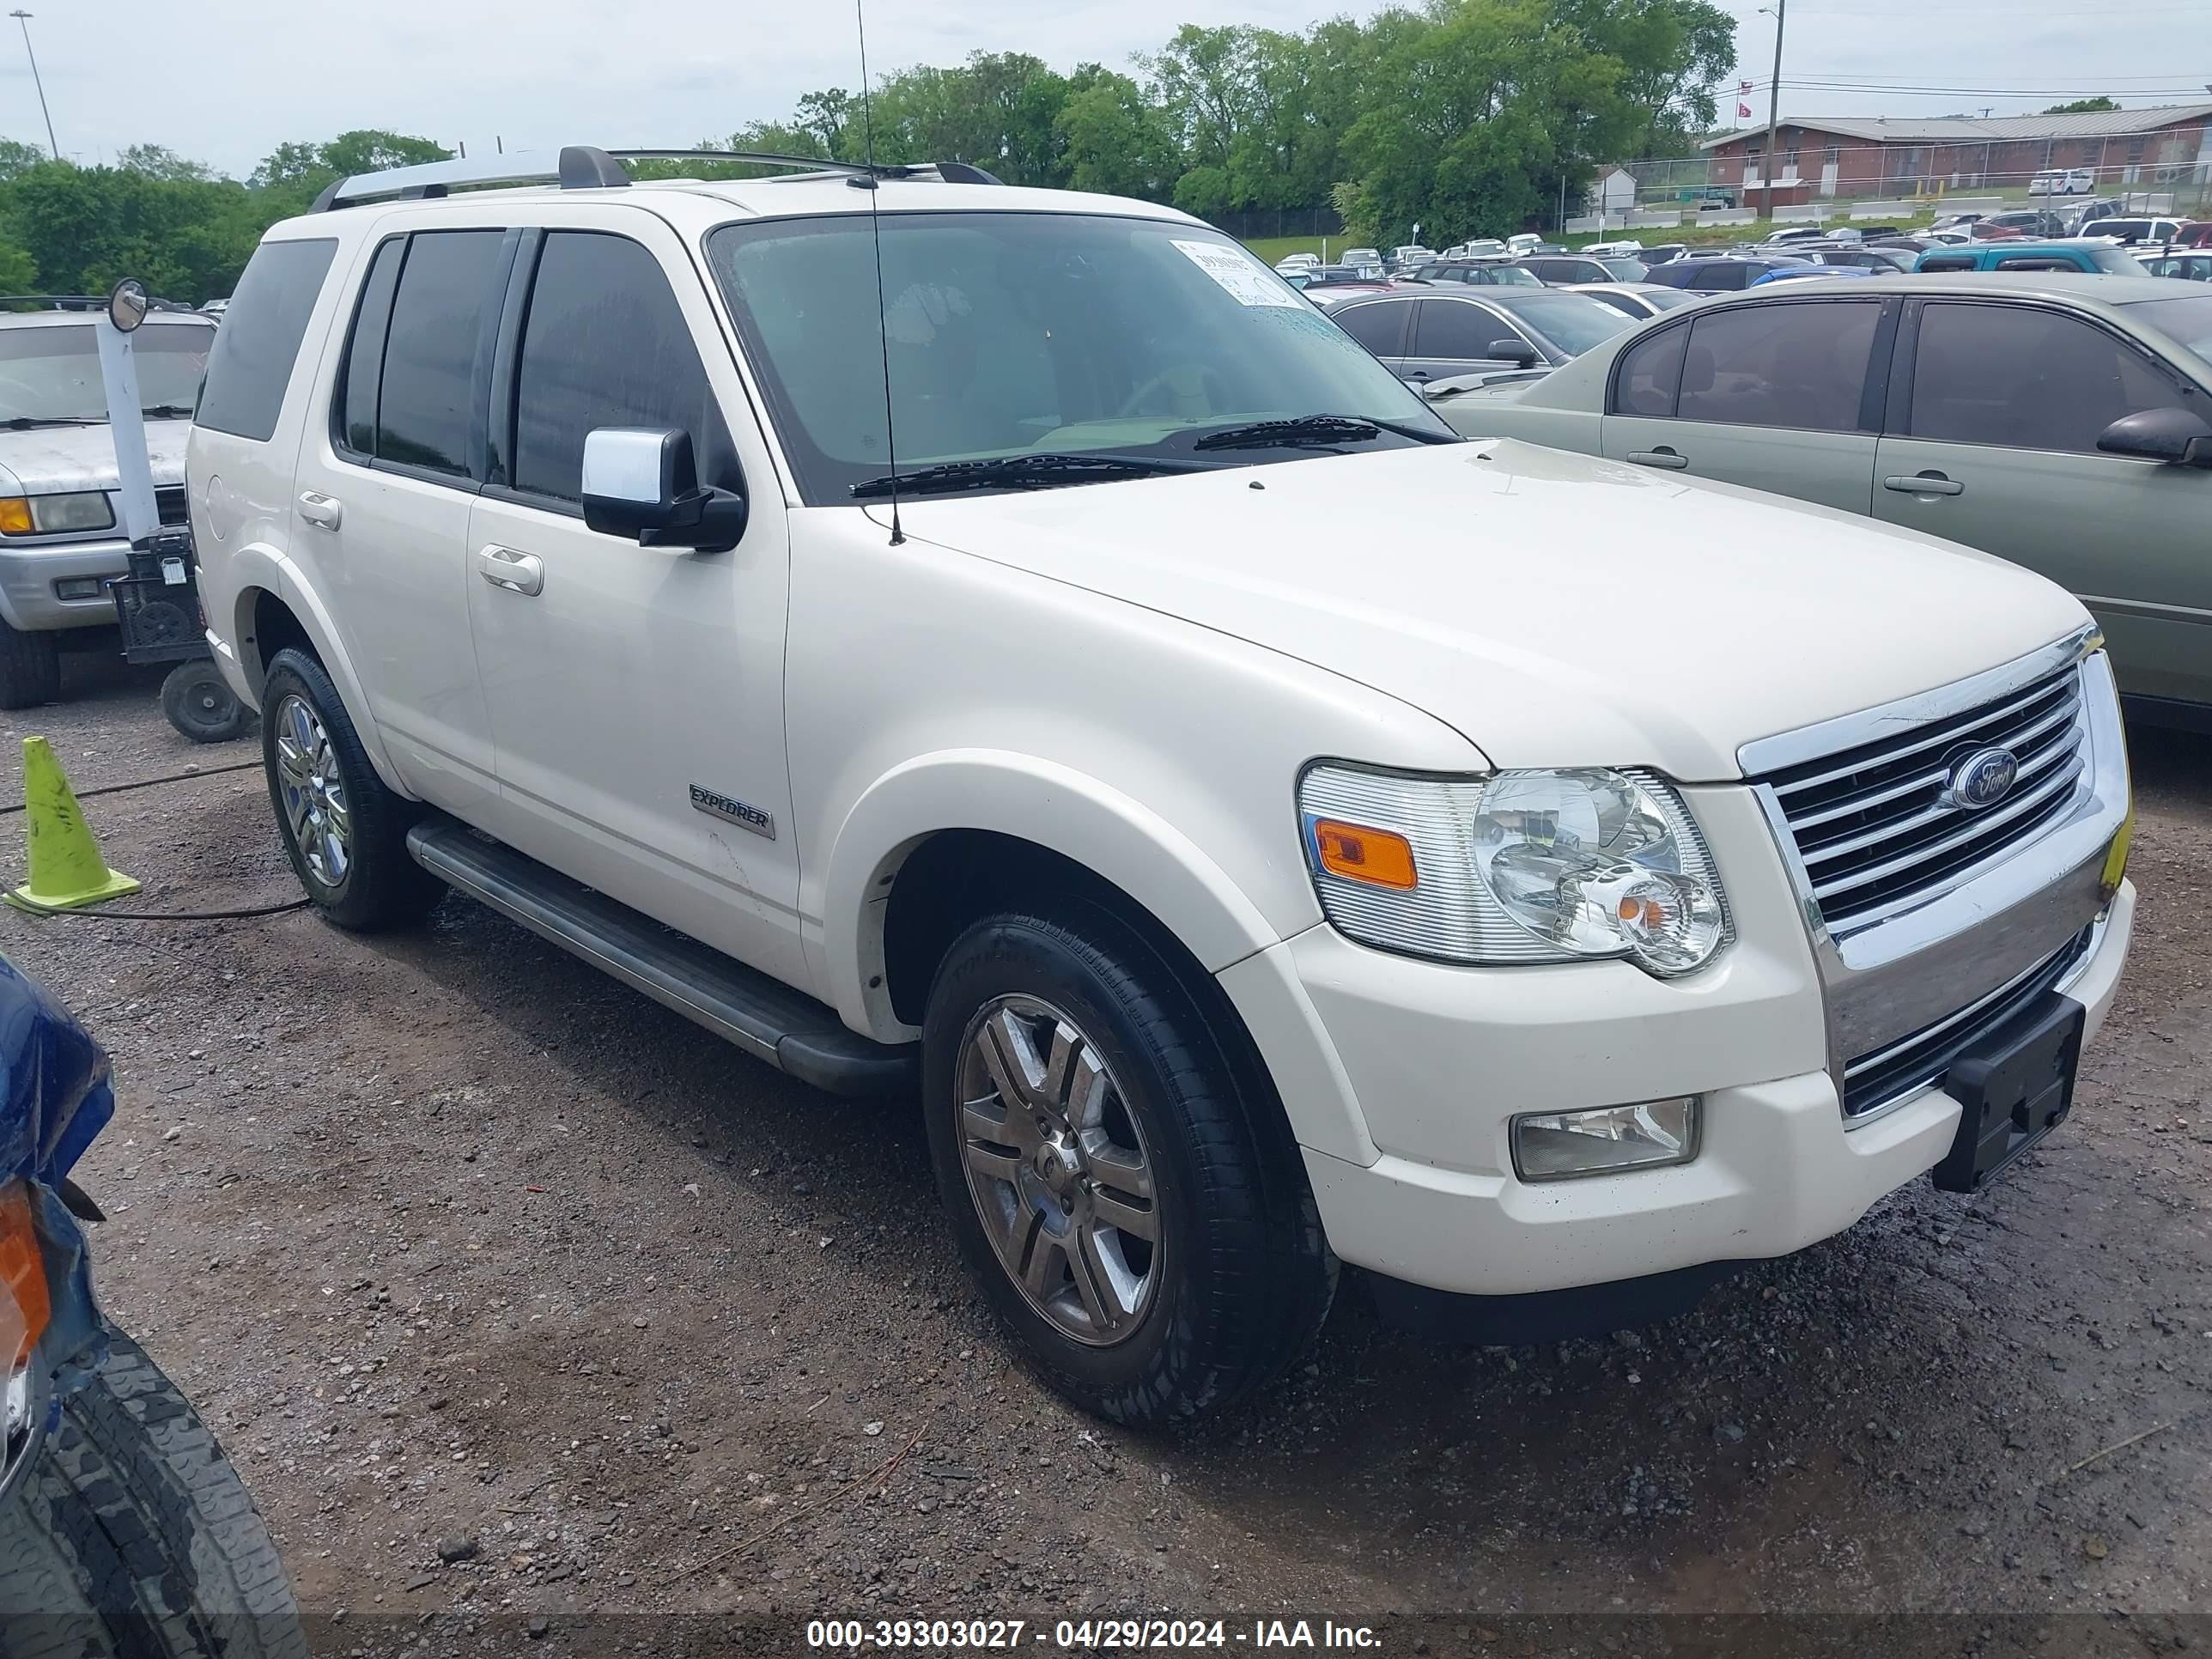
66 868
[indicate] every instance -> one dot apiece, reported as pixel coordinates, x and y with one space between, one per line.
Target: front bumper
1400 1077
27 575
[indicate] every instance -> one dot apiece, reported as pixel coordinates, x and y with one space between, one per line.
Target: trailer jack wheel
200 705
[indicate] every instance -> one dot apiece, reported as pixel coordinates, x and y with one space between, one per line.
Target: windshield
2117 261
1572 322
1666 299
1625 270
2188 320
1044 333
51 373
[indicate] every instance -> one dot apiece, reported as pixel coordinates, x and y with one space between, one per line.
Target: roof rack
82 302
585 167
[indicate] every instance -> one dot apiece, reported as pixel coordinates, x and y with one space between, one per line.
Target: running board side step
768 1020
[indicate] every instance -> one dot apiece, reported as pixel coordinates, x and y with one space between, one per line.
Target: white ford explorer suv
1538 925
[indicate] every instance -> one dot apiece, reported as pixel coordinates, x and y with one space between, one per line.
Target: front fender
1113 836
258 567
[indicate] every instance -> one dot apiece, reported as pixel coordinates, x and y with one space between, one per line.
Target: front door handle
518 573
1925 483
317 509
1661 456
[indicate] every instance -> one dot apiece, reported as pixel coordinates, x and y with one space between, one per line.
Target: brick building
1823 156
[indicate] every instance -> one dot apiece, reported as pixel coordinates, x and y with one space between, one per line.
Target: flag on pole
1743 86
1742 108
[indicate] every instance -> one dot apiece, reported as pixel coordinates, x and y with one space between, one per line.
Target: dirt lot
469 1254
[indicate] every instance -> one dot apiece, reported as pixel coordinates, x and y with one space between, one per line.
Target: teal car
2059 420
2094 257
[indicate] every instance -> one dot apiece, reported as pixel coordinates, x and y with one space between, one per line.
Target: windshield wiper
24 422
1018 473
166 411
1316 430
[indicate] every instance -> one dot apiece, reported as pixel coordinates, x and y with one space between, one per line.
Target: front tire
345 831
30 667
133 1535
1119 1175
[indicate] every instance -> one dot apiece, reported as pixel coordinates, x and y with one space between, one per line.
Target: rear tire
30 667
345 831
134 1535
1178 1186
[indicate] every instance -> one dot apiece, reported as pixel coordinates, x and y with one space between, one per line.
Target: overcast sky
226 81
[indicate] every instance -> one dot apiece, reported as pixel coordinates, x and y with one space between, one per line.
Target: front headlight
1516 867
45 515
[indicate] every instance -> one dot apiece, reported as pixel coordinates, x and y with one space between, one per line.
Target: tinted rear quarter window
438 320
354 422
604 344
1802 365
259 339
1650 372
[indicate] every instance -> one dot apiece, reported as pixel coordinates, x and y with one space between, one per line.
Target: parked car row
2059 419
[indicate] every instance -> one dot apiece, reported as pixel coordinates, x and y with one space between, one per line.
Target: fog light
77 587
1556 1146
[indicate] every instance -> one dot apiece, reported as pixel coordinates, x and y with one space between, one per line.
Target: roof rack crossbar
585 167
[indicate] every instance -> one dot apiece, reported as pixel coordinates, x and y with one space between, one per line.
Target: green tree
293 175
2083 106
160 161
1114 138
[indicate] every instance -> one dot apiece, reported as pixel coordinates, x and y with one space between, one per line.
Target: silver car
1451 330
61 537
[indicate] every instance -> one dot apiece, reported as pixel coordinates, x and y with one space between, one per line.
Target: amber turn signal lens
1378 857
22 1277
15 516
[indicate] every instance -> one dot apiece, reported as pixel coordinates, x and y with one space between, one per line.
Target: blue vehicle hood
54 1097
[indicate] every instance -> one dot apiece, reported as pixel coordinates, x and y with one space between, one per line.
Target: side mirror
642 482
1519 353
2173 435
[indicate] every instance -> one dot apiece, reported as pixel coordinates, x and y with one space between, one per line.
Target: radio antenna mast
871 183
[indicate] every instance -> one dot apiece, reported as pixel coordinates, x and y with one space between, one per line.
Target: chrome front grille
1873 826
1893 1073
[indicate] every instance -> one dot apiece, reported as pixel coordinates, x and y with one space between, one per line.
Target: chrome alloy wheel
1058 1170
308 777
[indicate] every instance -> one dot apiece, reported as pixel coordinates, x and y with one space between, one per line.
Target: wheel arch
271 609
976 825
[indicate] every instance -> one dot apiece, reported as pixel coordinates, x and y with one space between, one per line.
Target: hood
1557 609
48 459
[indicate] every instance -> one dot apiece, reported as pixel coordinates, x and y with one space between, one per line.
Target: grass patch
1275 249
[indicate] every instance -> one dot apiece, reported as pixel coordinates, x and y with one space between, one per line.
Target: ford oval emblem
1983 779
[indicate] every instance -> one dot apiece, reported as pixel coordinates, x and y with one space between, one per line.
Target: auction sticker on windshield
1245 281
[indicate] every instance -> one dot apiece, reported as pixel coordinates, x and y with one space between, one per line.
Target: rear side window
356 419
2036 261
1720 278
604 344
259 339
1650 372
1949 262
1380 328
437 321
1803 364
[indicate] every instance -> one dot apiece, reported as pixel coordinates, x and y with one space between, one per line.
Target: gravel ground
532 1311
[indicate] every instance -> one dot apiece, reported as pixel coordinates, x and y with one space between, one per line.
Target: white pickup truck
1259 830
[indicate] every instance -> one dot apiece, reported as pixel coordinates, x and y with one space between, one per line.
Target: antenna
869 182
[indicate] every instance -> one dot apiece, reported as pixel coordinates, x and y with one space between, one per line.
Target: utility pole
24 18
1774 108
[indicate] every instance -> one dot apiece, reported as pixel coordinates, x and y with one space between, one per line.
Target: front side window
1796 365
438 323
250 362
1049 333
2022 377
50 372
605 344
1453 328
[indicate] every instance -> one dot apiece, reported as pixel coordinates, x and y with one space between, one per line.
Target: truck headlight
45 515
1519 866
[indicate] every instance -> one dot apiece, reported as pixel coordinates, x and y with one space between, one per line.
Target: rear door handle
317 509
1925 483
518 573
1661 456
